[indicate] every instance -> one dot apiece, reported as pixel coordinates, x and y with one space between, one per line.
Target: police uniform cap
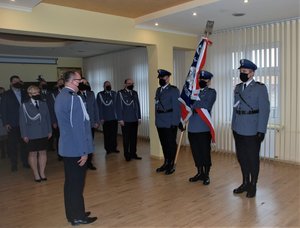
245 63
162 73
205 74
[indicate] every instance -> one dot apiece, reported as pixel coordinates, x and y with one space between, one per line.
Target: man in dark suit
11 102
89 100
250 117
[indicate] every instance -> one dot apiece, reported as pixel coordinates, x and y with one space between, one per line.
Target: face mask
244 77
36 97
130 87
17 85
61 86
44 86
202 83
162 82
108 88
82 86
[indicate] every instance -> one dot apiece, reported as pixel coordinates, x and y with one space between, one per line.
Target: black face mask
244 77
17 85
82 86
44 86
162 82
36 97
202 84
61 86
108 88
130 87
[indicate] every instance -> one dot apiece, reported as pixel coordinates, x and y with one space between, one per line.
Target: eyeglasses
77 79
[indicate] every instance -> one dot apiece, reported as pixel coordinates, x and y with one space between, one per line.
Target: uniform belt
164 111
240 112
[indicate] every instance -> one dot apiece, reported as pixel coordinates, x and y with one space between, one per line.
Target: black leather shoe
197 177
87 213
87 220
127 159
136 157
162 168
91 167
37 180
206 181
170 171
116 151
44 179
242 188
251 192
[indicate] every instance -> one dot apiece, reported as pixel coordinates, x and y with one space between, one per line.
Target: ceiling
171 15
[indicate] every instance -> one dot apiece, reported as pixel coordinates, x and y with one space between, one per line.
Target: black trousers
200 145
73 188
129 132
55 138
247 152
15 144
167 137
110 131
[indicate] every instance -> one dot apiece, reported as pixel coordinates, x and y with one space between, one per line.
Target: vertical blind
116 67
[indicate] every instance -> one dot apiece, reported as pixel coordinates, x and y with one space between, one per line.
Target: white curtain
116 67
275 48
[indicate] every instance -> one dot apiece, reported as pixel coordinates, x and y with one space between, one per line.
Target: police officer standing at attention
199 132
89 101
129 117
167 119
249 124
106 101
75 143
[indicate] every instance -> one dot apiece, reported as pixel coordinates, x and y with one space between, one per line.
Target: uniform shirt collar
34 101
248 82
165 86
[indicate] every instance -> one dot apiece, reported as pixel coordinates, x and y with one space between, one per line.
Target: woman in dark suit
35 126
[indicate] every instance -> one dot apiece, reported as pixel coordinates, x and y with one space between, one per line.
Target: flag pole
208 31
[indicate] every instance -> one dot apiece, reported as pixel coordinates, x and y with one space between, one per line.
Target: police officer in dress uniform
249 124
167 119
89 100
129 117
60 84
106 101
75 143
198 131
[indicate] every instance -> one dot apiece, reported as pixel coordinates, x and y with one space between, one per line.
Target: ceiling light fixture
156 24
194 14
12 0
245 1
238 14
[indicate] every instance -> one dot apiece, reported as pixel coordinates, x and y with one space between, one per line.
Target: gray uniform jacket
34 123
207 99
107 105
75 129
251 109
91 106
167 107
128 106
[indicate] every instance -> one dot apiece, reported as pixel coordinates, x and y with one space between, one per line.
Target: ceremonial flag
191 88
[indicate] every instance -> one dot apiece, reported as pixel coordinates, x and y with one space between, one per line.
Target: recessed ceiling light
238 14
194 14
12 0
156 24
245 1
